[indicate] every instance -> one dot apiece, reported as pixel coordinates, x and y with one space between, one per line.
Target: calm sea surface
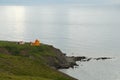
91 31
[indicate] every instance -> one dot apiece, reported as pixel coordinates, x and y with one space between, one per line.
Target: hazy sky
88 2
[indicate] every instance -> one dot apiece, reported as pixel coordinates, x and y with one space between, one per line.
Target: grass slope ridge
25 62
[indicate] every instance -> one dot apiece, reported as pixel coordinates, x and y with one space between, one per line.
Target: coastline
29 61
46 55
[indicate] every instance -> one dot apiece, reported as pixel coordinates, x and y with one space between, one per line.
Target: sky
86 2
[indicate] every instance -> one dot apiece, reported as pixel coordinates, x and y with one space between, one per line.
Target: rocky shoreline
42 56
61 61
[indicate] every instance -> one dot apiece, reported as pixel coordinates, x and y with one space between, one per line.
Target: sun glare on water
16 16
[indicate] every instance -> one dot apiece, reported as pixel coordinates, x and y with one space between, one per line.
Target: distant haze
82 2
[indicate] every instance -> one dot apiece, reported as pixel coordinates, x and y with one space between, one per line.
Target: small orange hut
36 43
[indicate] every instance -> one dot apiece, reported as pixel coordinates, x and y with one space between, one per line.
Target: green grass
6 76
15 49
24 62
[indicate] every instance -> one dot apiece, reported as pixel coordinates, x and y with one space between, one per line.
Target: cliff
27 62
18 62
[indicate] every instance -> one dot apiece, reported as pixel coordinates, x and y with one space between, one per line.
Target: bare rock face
61 61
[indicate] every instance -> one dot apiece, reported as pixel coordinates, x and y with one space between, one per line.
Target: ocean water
91 31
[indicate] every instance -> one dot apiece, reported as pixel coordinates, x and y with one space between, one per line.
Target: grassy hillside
25 62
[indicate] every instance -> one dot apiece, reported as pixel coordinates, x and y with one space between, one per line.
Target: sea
77 30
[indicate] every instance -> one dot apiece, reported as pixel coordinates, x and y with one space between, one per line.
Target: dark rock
88 59
102 58
80 58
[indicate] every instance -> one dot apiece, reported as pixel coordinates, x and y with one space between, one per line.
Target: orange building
36 43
